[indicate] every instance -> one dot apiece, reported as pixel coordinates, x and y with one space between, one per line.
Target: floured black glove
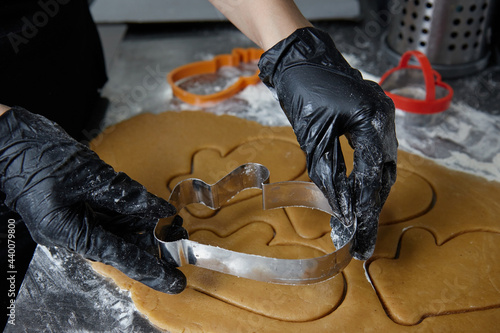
68 197
324 98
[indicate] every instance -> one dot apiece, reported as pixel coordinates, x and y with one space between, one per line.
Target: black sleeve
51 60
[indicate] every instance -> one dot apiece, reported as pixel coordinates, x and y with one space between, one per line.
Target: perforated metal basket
455 35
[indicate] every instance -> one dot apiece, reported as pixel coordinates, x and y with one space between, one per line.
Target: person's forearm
3 109
265 22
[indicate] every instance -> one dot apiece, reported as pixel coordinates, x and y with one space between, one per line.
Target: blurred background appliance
455 35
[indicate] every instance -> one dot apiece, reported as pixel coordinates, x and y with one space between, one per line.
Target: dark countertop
61 293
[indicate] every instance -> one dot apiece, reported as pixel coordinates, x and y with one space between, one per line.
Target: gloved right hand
325 98
68 197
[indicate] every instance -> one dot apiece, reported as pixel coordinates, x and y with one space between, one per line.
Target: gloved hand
70 198
324 98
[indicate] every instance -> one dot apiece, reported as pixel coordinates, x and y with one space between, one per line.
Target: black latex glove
68 197
324 98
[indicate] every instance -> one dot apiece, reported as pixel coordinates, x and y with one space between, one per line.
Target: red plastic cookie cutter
438 94
237 57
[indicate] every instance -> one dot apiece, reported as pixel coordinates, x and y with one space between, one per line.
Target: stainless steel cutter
255 267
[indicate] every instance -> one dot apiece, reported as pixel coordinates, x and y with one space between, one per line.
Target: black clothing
51 60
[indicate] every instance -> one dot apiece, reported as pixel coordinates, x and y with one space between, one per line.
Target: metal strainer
455 35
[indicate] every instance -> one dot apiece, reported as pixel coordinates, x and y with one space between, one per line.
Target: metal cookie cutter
234 59
255 267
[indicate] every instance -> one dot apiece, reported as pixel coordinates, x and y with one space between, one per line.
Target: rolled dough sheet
435 267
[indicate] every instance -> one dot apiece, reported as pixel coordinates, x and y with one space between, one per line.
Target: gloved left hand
68 197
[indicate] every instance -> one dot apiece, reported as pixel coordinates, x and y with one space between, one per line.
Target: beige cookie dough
460 275
434 218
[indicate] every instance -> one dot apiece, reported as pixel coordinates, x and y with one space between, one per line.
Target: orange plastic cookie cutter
237 57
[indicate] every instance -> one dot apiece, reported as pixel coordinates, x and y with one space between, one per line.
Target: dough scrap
446 277
432 213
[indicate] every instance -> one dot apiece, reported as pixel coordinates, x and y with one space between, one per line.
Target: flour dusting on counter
74 298
460 138
255 102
